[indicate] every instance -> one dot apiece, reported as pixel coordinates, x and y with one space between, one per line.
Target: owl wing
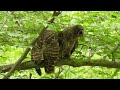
51 53
47 49
37 52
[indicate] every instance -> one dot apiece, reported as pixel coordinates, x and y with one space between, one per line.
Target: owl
54 46
46 49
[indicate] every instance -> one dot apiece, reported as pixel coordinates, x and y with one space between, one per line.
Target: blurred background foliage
101 36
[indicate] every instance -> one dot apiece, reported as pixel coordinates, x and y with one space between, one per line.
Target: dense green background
101 35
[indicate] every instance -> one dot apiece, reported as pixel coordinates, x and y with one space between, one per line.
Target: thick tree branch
70 62
55 13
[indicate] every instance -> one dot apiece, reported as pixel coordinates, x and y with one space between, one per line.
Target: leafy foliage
101 36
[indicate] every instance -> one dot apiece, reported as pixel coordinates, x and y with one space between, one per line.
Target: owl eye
80 32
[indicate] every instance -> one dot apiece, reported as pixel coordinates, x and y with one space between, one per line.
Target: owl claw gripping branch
52 46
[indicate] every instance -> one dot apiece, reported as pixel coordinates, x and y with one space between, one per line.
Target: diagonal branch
55 13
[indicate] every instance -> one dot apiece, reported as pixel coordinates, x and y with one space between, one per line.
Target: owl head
78 30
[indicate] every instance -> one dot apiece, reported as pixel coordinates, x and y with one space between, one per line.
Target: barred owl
68 40
47 49
52 46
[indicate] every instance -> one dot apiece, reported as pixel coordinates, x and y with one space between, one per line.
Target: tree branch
70 62
55 13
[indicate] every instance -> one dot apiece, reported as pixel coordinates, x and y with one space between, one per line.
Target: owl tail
38 70
49 69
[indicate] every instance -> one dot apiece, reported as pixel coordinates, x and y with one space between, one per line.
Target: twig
67 71
55 13
15 17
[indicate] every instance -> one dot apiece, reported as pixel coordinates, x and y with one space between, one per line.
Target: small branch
15 17
55 13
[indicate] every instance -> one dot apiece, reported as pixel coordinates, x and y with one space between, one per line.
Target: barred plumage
52 46
47 49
